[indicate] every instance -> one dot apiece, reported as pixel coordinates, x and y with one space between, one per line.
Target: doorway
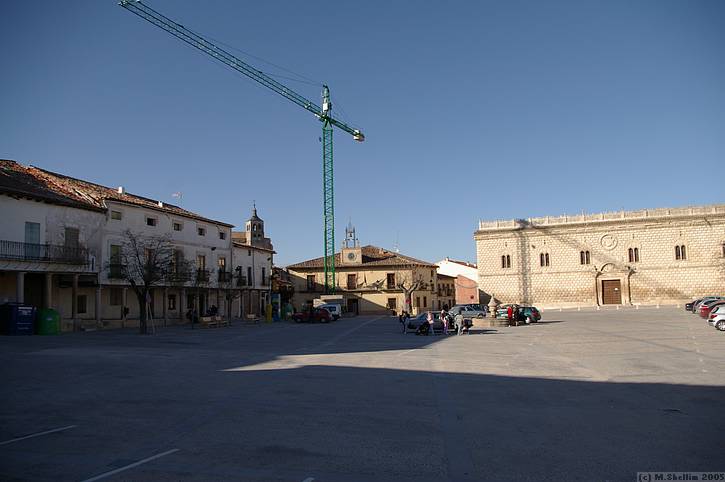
611 292
352 306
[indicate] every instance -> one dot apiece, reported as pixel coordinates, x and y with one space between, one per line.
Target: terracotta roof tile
372 256
57 188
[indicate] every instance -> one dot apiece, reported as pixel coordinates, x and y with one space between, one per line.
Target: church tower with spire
254 231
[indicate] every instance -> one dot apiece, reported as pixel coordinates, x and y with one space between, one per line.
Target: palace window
544 259
585 257
506 261
150 221
117 215
177 226
680 252
351 281
633 255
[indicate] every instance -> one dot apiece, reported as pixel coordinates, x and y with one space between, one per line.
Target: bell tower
254 228
351 254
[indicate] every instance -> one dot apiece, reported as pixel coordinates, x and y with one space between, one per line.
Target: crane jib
200 43
323 114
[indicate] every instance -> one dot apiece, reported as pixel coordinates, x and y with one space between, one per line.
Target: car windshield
475 307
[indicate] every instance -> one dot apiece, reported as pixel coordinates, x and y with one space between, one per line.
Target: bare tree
144 262
408 286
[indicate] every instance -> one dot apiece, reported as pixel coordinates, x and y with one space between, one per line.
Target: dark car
525 312
316 314
530 312
414 323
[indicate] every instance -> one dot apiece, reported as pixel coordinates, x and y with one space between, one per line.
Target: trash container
48 322
17 319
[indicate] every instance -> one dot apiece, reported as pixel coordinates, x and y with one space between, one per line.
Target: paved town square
583 395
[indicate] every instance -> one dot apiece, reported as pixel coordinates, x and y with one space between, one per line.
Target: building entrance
612 292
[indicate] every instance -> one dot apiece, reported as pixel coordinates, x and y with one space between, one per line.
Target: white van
335 310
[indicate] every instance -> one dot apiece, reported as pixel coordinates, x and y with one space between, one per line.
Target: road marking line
130 466
37 434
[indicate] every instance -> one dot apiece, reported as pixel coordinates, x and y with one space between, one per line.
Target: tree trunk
142 323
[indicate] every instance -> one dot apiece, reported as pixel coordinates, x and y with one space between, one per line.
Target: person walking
458 320
444 320
510 314
429 319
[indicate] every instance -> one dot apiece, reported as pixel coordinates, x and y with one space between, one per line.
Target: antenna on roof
396 246
180 196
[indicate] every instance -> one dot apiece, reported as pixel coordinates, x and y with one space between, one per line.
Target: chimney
161 204
121 190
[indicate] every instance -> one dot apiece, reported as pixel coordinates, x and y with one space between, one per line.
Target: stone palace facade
628 257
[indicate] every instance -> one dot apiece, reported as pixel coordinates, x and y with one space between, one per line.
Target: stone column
164 304
99 308
48 301
182 303
596 290
20 287
74 302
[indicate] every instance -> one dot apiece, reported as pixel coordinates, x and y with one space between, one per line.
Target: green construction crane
324 114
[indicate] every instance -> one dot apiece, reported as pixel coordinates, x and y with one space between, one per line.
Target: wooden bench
213 321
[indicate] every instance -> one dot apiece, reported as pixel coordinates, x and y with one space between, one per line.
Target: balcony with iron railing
202 275
224 276
45 253
241 280
115 271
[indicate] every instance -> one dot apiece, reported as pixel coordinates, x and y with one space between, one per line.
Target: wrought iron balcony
241 280
47 253
224 276
115 271
202 275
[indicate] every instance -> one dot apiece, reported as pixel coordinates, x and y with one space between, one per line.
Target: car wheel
720 325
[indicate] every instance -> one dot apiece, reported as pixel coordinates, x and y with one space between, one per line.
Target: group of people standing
457 323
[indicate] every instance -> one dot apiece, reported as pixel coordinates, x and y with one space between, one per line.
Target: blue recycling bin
17 319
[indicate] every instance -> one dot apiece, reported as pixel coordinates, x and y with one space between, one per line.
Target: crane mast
324 114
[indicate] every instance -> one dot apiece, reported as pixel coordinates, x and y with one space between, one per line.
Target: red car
709 306
317 314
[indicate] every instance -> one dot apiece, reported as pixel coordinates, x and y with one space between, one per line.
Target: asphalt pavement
582 395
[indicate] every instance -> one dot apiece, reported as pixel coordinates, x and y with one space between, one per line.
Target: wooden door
611 292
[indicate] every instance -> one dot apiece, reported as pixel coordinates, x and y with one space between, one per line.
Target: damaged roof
36 183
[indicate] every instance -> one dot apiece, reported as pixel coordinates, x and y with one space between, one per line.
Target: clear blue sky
471 110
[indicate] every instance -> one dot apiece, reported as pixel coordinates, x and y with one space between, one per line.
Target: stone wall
570 277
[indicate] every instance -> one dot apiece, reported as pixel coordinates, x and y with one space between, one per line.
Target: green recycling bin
48 322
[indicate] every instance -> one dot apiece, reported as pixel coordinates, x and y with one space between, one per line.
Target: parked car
708 306
698 303
716 315
335 310
315 314
415 322
468 311
502 311
529 312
